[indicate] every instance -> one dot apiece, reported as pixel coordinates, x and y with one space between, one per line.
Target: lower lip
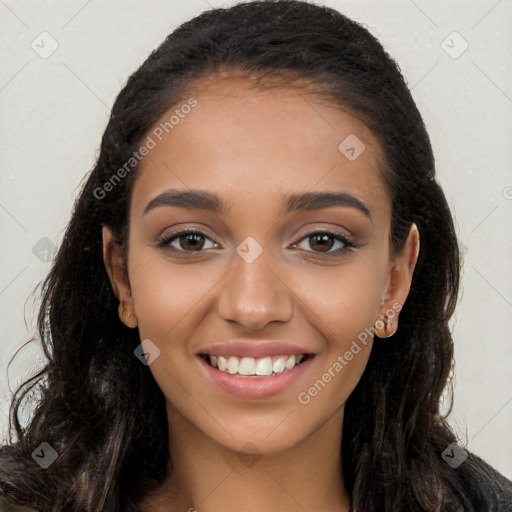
254 387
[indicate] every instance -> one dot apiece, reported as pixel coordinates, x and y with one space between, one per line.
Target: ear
116 267
398 284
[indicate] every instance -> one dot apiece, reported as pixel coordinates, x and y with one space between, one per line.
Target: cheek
171 300
343 305
345 300
354 308
167 296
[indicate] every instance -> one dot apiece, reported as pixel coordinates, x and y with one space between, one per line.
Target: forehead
246 143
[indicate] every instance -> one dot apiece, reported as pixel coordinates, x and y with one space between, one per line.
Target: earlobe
115 265
386 325
127 314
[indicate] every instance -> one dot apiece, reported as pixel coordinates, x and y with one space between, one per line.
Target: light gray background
54 110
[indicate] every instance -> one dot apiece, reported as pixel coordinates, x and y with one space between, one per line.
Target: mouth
251 370
266 366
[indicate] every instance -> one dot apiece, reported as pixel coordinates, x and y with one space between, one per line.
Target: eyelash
165 241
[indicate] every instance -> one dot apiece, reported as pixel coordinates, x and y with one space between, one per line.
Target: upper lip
245 348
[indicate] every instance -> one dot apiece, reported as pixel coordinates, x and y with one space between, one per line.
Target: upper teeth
255 366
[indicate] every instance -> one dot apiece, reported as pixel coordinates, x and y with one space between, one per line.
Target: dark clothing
11 505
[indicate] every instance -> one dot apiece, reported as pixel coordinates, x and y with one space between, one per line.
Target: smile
255 377
250 366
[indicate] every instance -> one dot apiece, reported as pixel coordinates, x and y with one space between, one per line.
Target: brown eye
191 241
188 241
321 242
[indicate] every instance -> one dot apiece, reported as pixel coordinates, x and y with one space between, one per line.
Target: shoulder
10 504
487 489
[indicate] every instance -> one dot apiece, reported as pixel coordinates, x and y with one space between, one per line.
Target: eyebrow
204 200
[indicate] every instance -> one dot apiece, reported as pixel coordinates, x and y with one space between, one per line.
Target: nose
254 294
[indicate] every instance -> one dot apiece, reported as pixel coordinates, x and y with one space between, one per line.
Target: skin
252 148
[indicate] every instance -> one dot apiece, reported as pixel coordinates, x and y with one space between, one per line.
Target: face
272 277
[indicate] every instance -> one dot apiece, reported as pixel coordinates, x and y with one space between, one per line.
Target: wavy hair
102 411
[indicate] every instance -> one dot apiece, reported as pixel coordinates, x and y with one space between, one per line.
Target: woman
250 306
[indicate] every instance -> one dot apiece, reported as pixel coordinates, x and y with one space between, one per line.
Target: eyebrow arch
318 200
204 200
196 199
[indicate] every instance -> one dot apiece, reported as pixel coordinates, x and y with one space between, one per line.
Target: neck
206 476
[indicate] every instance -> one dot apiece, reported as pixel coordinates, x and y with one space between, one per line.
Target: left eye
323 242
